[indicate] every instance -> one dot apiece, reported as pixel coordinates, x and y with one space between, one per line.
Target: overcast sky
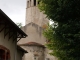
15 9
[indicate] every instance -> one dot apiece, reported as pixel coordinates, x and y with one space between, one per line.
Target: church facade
35 22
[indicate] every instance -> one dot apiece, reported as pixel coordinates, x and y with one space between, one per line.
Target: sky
15 9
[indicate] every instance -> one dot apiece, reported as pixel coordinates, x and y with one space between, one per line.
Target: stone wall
34 52
34 15
35 34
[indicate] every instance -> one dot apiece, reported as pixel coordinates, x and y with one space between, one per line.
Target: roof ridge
32 44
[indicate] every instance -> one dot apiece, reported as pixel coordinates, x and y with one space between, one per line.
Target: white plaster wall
9 44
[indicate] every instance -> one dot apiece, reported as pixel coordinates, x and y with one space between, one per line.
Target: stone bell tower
35 22
34 43
34 15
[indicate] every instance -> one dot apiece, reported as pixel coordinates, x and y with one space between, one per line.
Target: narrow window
34 2
38 2
27 4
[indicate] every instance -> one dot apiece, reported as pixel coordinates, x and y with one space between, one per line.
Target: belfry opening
34 2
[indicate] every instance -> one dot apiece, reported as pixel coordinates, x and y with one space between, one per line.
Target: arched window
4 53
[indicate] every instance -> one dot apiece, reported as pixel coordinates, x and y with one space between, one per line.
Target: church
35 23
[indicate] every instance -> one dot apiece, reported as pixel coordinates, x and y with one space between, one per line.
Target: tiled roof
32 44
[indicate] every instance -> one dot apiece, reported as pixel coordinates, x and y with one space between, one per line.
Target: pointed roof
32 44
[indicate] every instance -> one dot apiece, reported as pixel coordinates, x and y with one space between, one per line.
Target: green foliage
19 25
65 38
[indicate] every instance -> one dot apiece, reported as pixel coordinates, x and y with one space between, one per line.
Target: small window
27 4
34 2
47 59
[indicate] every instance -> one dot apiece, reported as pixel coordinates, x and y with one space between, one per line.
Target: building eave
6 21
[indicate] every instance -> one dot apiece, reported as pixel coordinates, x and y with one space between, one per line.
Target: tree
19 25
65 37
